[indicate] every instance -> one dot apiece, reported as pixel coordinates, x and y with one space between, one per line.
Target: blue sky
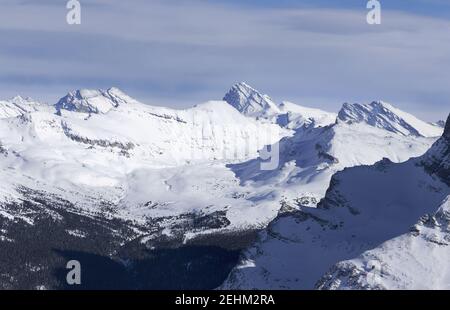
179 53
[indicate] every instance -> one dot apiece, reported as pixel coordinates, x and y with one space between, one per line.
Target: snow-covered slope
437 159
364 207
415 260
418 259
295 116
97 146
309 158
383 115
181 174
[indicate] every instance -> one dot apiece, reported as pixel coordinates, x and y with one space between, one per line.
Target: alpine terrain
148 197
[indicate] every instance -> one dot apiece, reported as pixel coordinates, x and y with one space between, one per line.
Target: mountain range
139 189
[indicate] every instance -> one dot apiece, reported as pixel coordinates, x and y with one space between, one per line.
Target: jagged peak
357 112
243 85
249 101
439 123
383 115
93 101
245 88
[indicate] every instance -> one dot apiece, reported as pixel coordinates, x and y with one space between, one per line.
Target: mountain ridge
416 259
177 176
383 115
337 244
93 101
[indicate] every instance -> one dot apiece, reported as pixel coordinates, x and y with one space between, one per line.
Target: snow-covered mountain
252 103
93 101
383 115
418 258
309 158
17 106
387 223
100 164
415 260
105 146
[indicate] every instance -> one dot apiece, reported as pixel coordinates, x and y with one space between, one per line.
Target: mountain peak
17 105
439 123
93 101
249 101
357 112
383 115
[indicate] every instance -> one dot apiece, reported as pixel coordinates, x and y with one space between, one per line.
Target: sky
178 53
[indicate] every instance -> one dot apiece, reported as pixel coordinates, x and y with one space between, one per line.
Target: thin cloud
182 52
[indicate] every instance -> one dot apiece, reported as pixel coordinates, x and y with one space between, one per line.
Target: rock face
250 102
437 160
447 128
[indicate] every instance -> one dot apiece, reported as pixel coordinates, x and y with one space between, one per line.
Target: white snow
252 103
415 261
298 116
383 115
105 146
364 207
98 146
